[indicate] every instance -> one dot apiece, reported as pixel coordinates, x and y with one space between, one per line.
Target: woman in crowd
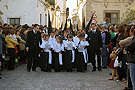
131 58
122 44
20 47
111 30
23 54
11 50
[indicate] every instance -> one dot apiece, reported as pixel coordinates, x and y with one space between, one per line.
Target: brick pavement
23 80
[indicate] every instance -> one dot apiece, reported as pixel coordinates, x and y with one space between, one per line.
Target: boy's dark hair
41 28
46 36
5 24
93 24
70 36
78 32
56 36
45 25
61 42
13 25
83 29
66 31
56 30
11 32
81 35
36 25
52 32
16 31
7 32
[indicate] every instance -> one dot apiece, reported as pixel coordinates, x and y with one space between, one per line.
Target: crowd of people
63 50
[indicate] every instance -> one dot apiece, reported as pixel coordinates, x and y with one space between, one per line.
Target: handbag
131 58
119 51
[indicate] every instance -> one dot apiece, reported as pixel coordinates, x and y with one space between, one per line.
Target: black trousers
53 59
81 65
22 56
92 53
121 73
11 52
56 62
33 60
68 60
44 62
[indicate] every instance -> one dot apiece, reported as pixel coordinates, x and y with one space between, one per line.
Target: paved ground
23 80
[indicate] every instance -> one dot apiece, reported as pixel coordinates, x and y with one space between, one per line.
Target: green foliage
52 2
129 15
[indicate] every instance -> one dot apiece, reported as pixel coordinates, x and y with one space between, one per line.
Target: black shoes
104 67
94 69
127 88
28 70
34 70
99 70
0 76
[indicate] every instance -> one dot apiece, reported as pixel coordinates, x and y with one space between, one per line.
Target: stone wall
101 6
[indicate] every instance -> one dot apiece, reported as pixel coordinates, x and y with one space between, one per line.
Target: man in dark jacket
32 47
95 40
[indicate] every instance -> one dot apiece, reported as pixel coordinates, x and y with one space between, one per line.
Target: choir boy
81 55
70 54
46 56
58 48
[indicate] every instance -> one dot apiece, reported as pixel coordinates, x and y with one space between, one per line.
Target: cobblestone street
23 80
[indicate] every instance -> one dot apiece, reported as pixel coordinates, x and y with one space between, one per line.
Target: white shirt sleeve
62 47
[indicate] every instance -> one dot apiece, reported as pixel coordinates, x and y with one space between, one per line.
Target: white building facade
23 12
61 13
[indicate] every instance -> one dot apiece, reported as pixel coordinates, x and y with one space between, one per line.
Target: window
40 19
111 16
14 21
45 19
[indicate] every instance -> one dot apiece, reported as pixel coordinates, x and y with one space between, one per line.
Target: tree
128 16
52 2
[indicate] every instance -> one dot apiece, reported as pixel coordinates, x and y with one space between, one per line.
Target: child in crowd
114 58
58 48
69 54
46 56
81 55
